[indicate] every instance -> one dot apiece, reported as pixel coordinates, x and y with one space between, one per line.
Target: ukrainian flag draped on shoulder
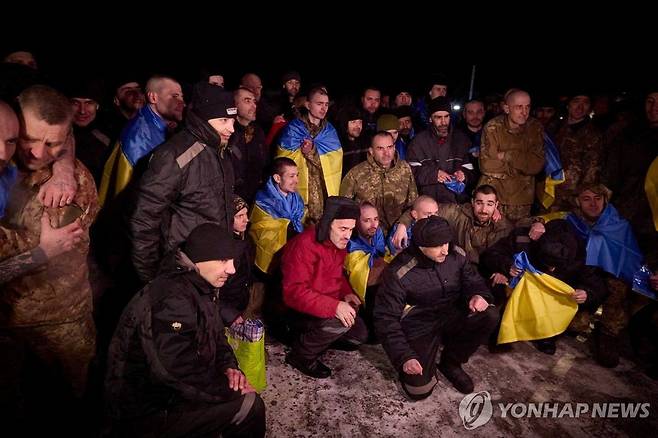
141 135
329 150
611 244
361 255
651 190
269 222
541 306
7 180
389 241
554 173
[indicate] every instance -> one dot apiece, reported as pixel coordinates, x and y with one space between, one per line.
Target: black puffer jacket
413 279
189 181
169 345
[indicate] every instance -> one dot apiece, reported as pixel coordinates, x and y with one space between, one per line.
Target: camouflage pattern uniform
580 147
473 237
50 310
391 190
513 175
317 190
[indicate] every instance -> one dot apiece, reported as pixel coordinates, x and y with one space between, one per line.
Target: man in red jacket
316 289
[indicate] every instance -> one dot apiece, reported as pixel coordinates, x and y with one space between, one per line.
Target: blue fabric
7 180
455 186
477 141
296 132
553 165
142 134
389 242
290 207
376 249
522 262
611 244
401 148
641 282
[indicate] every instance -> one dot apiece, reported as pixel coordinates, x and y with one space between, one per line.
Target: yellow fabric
269 235
541 306
356 265
332 168
116 175
251 360
555 215
546 191
651 189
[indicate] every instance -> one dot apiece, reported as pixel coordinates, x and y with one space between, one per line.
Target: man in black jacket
171 371
428 292
189 181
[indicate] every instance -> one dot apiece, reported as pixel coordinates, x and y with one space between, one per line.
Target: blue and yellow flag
141 135
611 244
7 180
269 222
651 190
361 255
329 150
553 171
541 306
389 241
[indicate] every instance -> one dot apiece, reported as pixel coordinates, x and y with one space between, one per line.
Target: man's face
484 206
591 204
578 108
216 272
24 58
405 124
441 121
216 80
224 128
371 100
368 222
8 136
651 108
438 90
169 101
129 97
340 232
39 142
246 103
425 209
474 115
383 150
518 108
254 84
436 253
545 114
240 221
318 106
354 128
292 87
289 181
84 111
403 98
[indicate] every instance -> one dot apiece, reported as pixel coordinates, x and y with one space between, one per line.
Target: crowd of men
134 229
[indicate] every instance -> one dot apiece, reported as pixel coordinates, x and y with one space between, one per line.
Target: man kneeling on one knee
431 291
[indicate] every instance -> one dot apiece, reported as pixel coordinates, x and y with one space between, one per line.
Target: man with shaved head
512 154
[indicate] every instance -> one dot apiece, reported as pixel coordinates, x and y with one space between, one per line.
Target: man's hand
412 366
236 380
59 190
497 215
345 313
400 237
247 388
579 296
279 119
239 320
443 176
653 280
514 271
307 146
56 241
536 231
352 300
498 278
478 304
459 175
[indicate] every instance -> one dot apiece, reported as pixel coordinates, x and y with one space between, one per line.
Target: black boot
607 349
546 346
453 371
315 369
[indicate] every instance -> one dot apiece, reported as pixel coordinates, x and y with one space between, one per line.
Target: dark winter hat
556 248
440 103
404 111
212 102
432 232
86 89
239 204
336 207
579 92
290 75
387 122
211 242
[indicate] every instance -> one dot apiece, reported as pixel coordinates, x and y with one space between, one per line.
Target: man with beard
189 180
127 100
